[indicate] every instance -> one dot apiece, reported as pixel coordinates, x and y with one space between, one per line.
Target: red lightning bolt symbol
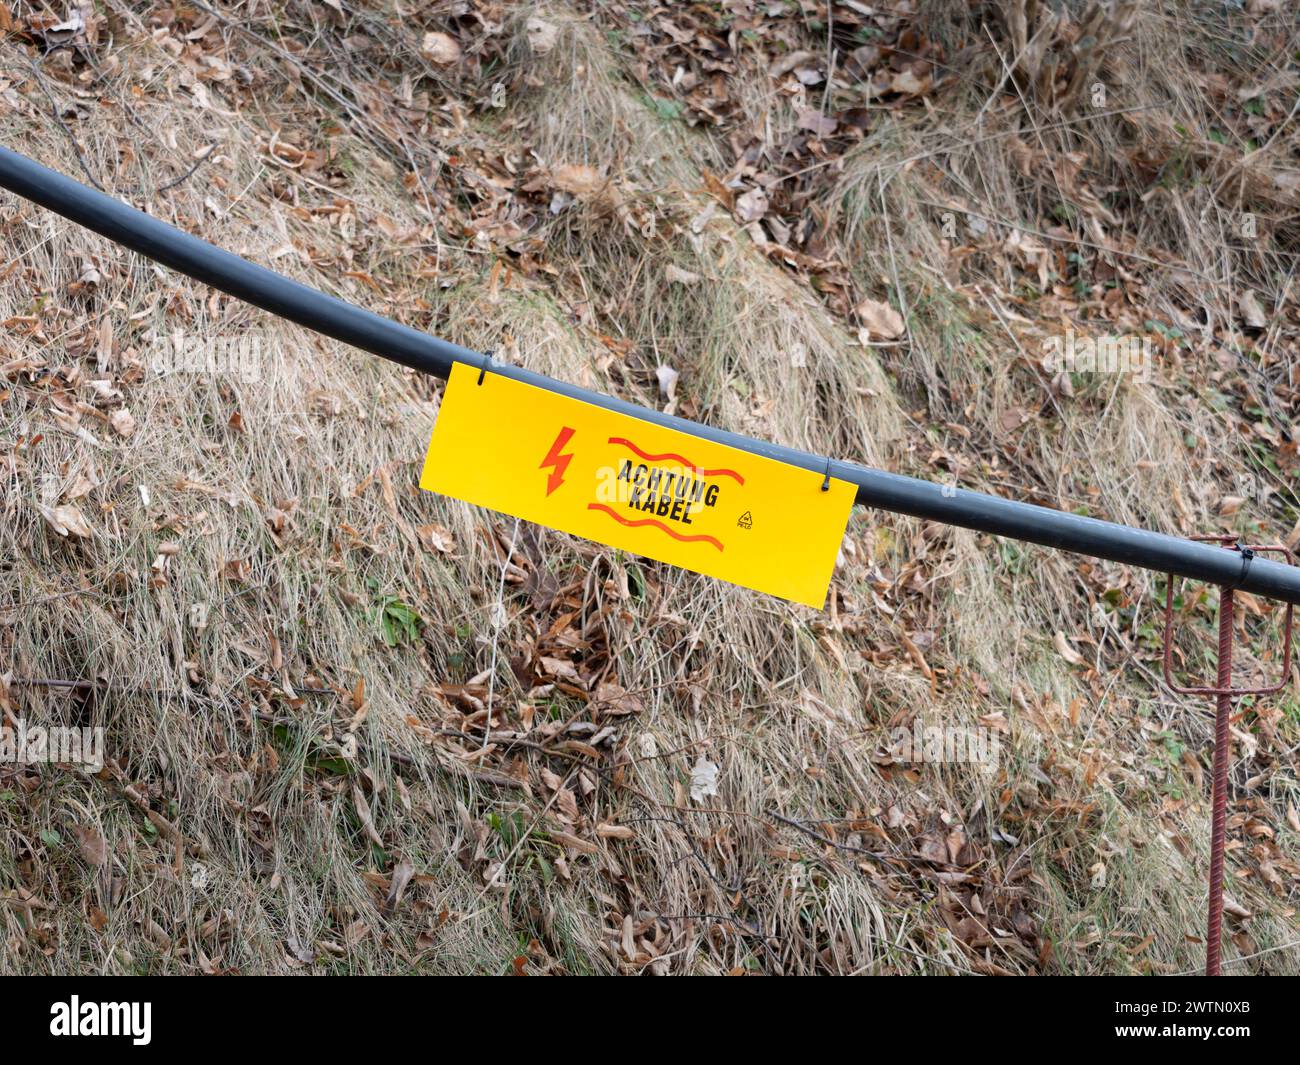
557 460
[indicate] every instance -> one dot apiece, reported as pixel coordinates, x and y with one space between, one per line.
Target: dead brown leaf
91 844
123 422
67 520
579 180
542 35
880 319
752 205
1064 649
438 538
440 48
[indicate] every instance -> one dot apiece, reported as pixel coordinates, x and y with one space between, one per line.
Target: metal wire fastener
1222 689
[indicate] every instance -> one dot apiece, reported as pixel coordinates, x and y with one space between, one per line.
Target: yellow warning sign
637 486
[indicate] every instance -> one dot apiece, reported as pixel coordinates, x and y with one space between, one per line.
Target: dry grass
232 626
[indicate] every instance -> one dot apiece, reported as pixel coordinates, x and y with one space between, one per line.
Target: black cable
399 343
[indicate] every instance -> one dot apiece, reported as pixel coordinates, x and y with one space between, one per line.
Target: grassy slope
279 769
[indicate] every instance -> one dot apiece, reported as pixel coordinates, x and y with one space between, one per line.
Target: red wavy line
657 524
673 455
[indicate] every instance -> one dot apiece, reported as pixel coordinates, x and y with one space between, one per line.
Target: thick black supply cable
399 343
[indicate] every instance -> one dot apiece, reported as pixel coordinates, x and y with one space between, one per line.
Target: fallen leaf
1251 312
667 381
1013 418
862 60
542 35
1064 649
579 180
704 780
909 84
560 669
437 538
91 844
363 815
1232 906
628 939
682 277
104 389
568 839
880 319
67 520
566 804
815 121
440 48
788 62
616 700
752 206
932 849
402 873
123 422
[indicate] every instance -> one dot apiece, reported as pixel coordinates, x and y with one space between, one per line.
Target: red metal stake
1219 799
1224 693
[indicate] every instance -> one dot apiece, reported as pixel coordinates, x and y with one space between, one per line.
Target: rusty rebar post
1219 798
1224 694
